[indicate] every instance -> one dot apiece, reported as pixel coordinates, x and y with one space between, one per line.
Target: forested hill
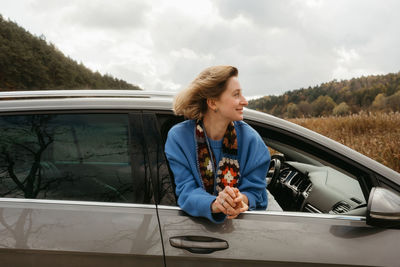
371 93
28 62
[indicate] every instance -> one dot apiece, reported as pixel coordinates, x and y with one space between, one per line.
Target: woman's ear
211 104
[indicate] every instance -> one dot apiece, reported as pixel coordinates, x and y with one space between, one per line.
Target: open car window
301 179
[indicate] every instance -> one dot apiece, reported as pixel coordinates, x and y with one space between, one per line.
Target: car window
159 167
163 123
86 157
303 178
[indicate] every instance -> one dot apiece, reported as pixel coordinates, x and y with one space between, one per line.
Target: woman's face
231 102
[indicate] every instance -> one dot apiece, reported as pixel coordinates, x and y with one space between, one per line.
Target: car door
76 191
276 238
280 238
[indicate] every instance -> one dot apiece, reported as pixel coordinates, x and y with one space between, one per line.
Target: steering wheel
274 170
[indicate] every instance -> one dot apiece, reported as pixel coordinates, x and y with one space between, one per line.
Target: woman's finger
235 213
229 209
239 198
220 207
232 216
244 207
229 191
227 198
224 206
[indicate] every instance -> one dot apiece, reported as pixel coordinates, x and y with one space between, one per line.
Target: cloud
109 15
277 45
270 14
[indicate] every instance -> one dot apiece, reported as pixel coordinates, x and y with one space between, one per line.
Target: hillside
28 62
371 93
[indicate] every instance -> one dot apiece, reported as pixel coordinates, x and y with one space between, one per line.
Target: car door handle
198 244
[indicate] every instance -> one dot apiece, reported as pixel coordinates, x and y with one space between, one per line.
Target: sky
277 45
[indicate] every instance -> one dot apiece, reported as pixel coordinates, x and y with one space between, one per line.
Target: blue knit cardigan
254 159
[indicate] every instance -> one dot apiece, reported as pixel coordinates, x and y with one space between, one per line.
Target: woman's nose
243 101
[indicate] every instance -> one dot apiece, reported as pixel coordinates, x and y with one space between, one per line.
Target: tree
292 110
393 102
379 102
305 108
341 109
32 141
323 106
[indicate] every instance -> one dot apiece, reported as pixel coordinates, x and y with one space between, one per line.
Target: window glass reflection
66 156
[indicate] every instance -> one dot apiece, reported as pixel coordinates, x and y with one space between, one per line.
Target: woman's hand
225 201
230 202
241 204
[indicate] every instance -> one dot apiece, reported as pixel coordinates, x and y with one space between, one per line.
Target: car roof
81 100
84 93
84 100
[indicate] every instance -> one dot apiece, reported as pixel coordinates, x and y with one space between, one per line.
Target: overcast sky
278 45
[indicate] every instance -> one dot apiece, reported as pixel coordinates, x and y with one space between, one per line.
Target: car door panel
89 234
284 238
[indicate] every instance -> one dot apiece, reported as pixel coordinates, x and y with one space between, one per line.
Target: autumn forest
338 98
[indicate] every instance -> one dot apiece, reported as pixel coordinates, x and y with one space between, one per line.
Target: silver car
84 182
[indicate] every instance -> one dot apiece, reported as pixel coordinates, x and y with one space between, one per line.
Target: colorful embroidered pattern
228 168
230 141
228 173
205 163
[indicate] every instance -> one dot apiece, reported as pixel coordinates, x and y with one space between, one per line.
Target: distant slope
371 93
28 62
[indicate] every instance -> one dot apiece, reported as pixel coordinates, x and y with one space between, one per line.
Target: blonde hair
210 83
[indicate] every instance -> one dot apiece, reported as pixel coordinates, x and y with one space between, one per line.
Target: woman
219 162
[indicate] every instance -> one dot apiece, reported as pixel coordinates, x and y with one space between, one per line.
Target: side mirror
383 208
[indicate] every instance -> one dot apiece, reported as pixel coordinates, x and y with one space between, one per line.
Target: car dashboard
317 189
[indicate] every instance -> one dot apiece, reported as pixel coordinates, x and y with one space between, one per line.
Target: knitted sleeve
181 155
254 164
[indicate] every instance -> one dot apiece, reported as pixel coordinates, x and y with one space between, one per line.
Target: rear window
83 157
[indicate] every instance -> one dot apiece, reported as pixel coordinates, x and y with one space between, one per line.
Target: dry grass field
374 135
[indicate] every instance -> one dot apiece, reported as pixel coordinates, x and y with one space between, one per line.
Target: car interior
301 183
301 179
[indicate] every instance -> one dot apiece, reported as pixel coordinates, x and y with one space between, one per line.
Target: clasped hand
230 202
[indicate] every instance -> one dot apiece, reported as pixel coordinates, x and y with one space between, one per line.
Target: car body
84 182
